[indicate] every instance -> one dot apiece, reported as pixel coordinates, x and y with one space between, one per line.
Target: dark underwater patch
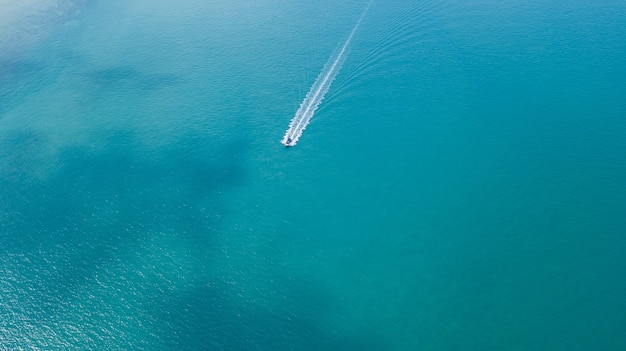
130 78
20 79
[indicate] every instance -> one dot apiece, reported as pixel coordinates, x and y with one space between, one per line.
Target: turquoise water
460 188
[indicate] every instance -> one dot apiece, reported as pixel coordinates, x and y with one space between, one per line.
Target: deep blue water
462 186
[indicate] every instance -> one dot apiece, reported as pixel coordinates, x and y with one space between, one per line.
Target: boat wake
318 90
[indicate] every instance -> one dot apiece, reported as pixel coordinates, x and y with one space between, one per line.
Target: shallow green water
460 188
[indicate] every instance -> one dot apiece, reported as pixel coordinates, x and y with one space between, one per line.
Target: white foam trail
318 90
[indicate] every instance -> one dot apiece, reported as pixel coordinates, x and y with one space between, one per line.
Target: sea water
462 186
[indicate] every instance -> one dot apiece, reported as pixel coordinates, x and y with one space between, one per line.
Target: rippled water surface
461 186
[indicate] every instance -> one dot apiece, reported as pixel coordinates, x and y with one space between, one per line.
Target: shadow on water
94 204
114 77
211 318
19 155
19 79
